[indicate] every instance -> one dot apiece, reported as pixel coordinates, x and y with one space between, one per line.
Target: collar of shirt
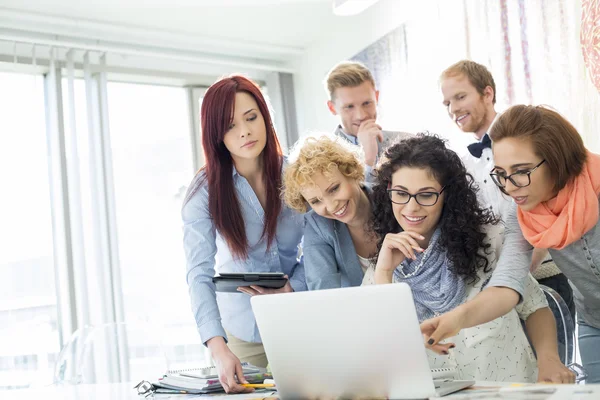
351 139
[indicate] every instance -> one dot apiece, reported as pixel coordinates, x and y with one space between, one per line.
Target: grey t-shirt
579 261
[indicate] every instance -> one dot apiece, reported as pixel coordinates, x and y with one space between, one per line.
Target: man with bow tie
469 95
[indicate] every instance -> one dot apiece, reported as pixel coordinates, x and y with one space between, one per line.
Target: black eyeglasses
519 178
426 199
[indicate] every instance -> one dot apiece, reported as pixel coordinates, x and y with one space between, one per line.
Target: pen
258 385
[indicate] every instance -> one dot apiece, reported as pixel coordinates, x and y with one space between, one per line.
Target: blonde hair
319 154
477 74
347 74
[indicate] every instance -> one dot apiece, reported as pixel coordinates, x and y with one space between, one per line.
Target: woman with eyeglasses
542 163
326 176
436 238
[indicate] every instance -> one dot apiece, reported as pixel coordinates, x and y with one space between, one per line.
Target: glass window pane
29 340
152 165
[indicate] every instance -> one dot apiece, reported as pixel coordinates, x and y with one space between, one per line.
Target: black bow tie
477 148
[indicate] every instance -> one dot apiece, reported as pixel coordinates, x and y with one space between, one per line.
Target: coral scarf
560 221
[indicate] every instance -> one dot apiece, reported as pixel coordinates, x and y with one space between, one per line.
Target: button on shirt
206 252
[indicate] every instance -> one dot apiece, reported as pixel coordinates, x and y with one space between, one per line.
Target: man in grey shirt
353 97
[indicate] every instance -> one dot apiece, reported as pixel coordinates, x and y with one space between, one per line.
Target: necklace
400 268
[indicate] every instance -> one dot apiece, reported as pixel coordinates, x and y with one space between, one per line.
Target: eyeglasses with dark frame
425 199
519 179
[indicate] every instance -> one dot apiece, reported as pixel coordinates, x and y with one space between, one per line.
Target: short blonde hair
319 154
477 74
347 74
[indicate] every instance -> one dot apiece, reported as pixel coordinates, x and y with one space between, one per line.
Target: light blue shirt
206 252
389 138
369 176
330 259
352 139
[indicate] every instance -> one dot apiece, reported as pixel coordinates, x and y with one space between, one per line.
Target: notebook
199 380
210 372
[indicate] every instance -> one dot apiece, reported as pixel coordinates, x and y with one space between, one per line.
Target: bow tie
477 148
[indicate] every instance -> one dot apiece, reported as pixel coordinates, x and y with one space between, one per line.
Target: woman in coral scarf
541 162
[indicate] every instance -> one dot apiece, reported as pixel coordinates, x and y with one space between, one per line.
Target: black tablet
230 281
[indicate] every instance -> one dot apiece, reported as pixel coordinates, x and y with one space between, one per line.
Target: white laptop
360 341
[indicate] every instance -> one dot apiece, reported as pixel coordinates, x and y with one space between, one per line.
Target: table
125 391
104 391
504 390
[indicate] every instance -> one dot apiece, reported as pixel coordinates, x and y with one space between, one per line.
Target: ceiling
291 23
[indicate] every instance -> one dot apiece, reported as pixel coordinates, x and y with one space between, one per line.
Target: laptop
350 342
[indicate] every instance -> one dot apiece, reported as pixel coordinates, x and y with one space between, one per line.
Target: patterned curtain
532 48
590 38
387 59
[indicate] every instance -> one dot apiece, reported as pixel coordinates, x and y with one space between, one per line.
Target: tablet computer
230 281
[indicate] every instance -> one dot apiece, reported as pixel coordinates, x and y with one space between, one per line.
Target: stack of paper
194 385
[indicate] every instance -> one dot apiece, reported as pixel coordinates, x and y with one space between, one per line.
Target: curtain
386 59
532 48
96 285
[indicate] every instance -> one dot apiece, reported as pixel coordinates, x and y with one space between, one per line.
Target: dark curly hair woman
453 195
436 238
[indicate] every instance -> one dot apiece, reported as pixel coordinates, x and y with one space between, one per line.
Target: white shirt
498 350
489 194
365 263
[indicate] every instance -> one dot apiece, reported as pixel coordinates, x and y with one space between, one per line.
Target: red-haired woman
234 221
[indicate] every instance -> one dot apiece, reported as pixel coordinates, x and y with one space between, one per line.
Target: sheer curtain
387 59
531 47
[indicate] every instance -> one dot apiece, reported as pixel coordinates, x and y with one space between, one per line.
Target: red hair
216 115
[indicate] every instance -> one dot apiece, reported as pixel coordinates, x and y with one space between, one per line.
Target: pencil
258 385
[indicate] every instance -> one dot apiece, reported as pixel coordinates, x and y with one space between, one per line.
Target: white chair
565 325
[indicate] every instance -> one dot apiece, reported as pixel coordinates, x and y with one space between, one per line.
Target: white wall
348 36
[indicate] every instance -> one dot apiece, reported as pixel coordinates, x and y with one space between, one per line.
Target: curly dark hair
462 219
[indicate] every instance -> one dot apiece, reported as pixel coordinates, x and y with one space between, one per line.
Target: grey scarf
436 289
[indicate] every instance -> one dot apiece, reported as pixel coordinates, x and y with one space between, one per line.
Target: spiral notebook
210 372
197 380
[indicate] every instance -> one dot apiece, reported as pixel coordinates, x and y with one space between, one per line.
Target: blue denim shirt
206 252
330 258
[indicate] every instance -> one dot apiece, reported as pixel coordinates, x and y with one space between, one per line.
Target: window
29 339
152 166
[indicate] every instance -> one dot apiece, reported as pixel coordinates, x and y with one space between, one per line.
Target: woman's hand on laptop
258 290
228 366
396 247
436 329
